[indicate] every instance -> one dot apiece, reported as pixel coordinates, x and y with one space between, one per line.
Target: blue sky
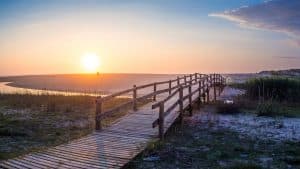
237 32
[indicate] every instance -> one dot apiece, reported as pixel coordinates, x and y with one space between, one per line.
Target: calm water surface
4 88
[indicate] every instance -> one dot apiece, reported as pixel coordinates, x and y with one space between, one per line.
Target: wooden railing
203 86
171 87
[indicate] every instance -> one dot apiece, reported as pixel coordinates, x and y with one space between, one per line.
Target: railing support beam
190 101
134 97
214 86
98 113
154 90
207 93
181 105
161 121
170 87
199 92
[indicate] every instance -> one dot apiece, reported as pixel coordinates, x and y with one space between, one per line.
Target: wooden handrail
171 88
165 100
204 84
106 98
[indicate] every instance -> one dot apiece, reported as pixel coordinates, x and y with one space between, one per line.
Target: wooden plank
13 165
6 166
95 153
26 164
88 162
48 164
77 163
52 163
104 147
96 160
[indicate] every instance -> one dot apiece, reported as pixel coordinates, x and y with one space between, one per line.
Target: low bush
275 88
268 108
224 108
240 165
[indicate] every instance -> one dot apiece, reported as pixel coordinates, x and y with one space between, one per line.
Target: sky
149 36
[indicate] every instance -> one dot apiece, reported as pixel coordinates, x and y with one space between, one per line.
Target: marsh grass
276 88
271 96
34 122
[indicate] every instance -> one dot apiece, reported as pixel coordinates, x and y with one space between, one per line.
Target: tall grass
273 88
54 103
271 96
33 122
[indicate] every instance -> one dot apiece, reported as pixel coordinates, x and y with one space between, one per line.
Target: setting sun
90 62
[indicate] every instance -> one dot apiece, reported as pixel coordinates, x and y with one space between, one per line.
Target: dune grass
34 122
276 88
271 96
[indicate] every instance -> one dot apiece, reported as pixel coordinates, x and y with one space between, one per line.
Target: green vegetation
201 146
31 123
267 108
273 96
223 108
273 88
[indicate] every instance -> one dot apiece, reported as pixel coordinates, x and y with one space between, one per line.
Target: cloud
274 15
288 57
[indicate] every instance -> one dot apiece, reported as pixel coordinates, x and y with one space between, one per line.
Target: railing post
178 81
203 89
184 79
161 121
214 83
98 113
134 96
190 100
223 81
220 84
207 93
170 86
181 105
191 79
199 90
154 91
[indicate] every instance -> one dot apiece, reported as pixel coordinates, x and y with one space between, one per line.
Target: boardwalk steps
115 146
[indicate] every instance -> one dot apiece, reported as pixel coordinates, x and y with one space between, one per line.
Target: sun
90 62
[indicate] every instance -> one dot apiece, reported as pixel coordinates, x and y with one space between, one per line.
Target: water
93 85
5 89
79 84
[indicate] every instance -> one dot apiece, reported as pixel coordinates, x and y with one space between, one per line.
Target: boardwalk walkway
112 147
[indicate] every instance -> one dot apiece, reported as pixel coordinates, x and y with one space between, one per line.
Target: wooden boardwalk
114 146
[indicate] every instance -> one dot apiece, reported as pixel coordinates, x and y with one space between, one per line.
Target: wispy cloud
275 15
288 57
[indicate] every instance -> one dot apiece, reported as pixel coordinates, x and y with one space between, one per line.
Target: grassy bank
30 123
202 146
276 88
275 96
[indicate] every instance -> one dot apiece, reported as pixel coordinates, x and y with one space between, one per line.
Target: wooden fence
201 89
174 88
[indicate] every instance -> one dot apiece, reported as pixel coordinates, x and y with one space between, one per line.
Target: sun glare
90 62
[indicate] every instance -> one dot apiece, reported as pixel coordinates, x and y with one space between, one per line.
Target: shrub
241 165
275 88
268 108
223 108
